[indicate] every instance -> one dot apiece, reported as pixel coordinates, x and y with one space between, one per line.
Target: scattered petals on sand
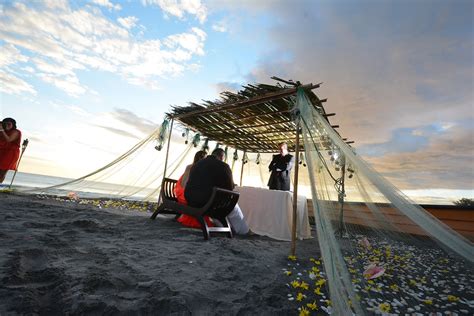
392 278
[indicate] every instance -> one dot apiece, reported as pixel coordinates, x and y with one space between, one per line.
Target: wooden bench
220 204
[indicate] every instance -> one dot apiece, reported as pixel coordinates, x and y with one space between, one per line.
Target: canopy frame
256 120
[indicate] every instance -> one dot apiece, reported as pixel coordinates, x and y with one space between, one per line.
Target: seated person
206 174
188 220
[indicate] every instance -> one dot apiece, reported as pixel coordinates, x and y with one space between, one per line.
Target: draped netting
378 247
134 175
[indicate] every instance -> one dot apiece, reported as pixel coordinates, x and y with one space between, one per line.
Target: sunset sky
86 80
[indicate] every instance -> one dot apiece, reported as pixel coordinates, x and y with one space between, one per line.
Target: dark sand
59 258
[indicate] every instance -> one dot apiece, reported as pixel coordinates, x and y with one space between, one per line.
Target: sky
86 80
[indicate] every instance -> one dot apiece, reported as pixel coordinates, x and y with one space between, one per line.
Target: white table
270 212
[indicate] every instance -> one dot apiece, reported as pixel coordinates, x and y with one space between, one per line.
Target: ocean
33 183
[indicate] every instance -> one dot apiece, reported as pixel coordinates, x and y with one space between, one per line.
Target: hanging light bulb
196 139
257 161
245 158
205 146
236 155
185 134
225 153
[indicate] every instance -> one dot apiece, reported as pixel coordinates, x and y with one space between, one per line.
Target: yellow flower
453 298
299 297
320 282
317 262
312 306
394 287
413 282
292 258
315 269
288 273
318 291
384 307
328 302
428 302
304 285
304 312
353 271
295 284
371 282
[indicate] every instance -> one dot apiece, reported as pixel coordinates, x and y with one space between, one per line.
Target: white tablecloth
269 213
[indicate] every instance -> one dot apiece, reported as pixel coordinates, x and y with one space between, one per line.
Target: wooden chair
220 204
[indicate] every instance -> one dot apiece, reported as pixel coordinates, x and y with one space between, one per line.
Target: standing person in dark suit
206 174
280 168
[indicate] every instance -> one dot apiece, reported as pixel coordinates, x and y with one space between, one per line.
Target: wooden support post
341 198
295 191
242 169
166 159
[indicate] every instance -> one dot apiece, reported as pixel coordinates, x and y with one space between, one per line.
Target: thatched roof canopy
255 119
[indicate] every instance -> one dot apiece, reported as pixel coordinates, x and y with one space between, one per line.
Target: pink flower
373 271
72 196
364 242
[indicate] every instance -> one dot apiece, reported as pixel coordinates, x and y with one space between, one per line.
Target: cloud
402 140
9 54
117 131
129 118
387 71
179 8
446 162
220 26
69 84
106 3
228 86
62 40
128 22
191 43
13 85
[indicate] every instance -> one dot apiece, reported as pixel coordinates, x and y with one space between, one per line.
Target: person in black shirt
206 174
280 168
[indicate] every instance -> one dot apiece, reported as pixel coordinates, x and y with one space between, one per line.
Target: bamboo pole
242 169
166 159
295 190
23 148
341 197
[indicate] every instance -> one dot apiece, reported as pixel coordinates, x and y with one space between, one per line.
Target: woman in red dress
10 140
184 219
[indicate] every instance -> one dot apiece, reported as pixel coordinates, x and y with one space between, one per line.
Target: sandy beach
60 258
77 257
